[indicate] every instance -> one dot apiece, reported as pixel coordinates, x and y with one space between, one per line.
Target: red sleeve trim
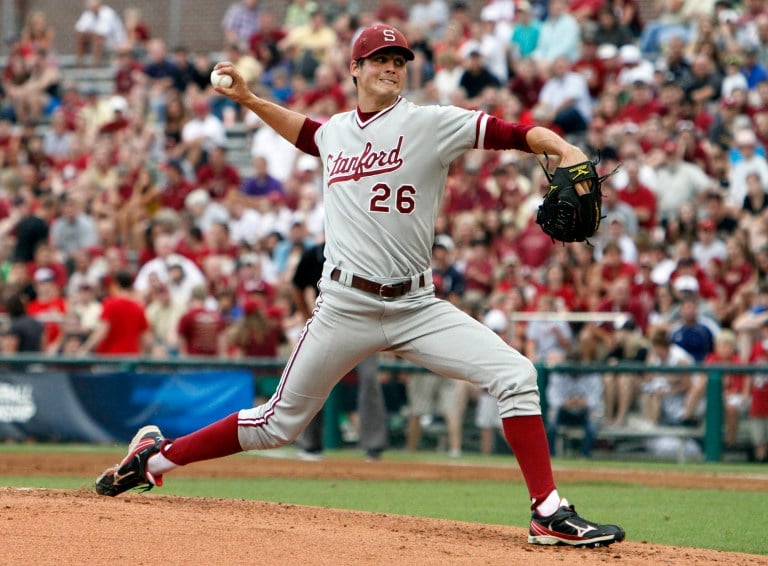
306 140
500 134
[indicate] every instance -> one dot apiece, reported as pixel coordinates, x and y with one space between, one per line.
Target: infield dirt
78 527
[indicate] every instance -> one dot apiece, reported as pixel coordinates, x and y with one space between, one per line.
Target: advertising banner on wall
110 407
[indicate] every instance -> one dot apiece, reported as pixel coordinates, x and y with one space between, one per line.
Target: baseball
220 79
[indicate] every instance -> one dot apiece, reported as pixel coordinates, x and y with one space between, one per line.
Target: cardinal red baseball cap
378 37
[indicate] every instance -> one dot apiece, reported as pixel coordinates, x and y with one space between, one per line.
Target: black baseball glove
565 215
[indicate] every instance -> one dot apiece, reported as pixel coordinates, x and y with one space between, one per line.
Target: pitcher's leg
455 345
370 406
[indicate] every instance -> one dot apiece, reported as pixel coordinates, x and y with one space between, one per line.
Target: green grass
700 518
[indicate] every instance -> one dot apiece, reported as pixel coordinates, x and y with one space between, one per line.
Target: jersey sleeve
460 130
306 141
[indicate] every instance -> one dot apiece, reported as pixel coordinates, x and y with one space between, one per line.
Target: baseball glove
565 215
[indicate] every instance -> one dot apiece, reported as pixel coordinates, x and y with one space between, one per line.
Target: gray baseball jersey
384 178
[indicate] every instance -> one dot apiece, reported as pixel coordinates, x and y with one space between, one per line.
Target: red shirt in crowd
200 329
759 391
127 323
218 182
641 197
732 382
173 196
50 314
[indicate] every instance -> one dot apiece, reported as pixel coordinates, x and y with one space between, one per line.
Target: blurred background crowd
126 228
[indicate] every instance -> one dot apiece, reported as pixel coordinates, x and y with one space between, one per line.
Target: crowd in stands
99 190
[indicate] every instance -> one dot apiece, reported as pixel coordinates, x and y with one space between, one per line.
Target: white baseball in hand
220 79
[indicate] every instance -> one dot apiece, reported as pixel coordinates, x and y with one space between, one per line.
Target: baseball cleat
565 526
132 470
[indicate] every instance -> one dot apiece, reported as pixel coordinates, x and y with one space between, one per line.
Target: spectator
163 314
123 327
430 15
85 307
74 229
279 154
708 246
542 337
25 333
298 13
391 12
31 227
57 139
526 83
735 386
258 333
750 162
140 205
310 45
638 196
246 64
449 282
476 78
494 51
217 175
525 32
137 32
666 398
32 97
559 36
176 188
240 22
621 389
260 185
327 97
564 101
201 329
610 29
158 268
690 180
691 333
429 398
37 32
749 323
202 133
192 76
478 270
758 410
576 399
99 30
263 43
633 67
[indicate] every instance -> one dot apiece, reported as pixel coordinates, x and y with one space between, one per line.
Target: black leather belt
385 290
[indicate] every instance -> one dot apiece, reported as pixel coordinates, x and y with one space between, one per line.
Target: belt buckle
393 287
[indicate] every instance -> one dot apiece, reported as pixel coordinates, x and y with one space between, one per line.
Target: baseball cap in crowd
686 283
445 241
607 51
630 54
378 37
707 224
744 137
496 320
250 259
44 274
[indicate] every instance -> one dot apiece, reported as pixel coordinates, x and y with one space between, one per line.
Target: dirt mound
75 527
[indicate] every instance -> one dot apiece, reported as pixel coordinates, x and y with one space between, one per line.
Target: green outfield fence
270 369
